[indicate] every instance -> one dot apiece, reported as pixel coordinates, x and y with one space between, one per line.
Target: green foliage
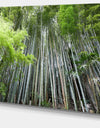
85 56
49 13
14 14
3 89
45 104
11 44
67 19
90 18
94 8
86 59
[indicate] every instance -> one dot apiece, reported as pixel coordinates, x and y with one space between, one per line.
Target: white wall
43 2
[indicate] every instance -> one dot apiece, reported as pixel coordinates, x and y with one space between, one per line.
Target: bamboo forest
50 56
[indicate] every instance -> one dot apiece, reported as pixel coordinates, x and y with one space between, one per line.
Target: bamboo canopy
58 78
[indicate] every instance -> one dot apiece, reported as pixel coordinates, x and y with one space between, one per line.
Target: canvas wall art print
50 56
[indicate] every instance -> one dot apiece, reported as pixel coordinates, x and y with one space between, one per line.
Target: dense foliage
67 19
65 40
11 44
